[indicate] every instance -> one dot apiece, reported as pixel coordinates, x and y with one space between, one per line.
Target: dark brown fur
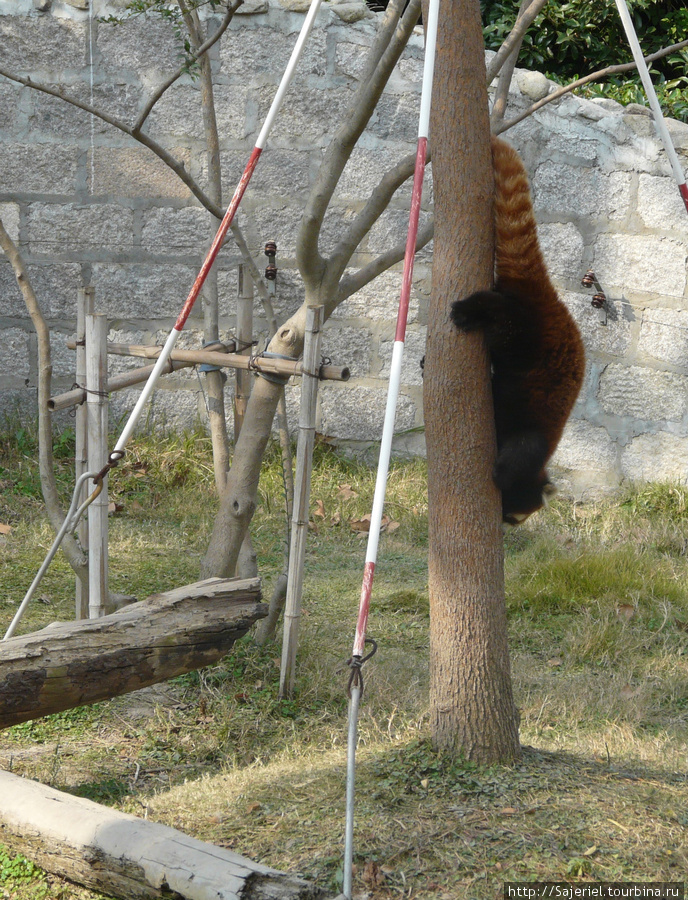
537 354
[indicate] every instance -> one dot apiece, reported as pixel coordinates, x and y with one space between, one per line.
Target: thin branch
506 74
393 39
195 56
352 283
521 25
73 552
376 204
145 139
595 76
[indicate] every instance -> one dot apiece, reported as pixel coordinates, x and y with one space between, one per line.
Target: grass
598 618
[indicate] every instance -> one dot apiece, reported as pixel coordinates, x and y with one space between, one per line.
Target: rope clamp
356 664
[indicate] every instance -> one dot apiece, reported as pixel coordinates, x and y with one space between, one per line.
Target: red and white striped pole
653 101
387 435
221 234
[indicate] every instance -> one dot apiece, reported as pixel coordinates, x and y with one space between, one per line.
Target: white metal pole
387 436
652 100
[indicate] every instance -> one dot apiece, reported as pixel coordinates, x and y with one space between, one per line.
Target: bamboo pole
85 306
232 360
97 413
244 336
302 492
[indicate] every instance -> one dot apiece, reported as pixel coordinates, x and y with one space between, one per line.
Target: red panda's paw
477 311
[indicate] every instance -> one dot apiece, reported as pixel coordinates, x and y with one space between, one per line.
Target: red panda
537 354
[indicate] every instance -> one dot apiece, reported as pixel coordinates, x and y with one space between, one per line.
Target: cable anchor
356 663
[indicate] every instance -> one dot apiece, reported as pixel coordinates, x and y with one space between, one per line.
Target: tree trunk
71 664
127 857
238 502
472 708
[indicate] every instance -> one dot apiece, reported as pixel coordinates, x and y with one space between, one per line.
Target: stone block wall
89 206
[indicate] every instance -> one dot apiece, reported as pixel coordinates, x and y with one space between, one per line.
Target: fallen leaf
346 492
372 874
336 519
254 807
555 661
114 508
135 506
319 509
392 527
625 611
627 692
425 783
590 850
360 524
5 529
509 811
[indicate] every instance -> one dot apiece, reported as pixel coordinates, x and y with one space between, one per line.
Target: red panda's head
522 500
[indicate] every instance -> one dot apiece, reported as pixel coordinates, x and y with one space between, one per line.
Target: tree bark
75 663
124 856
471 705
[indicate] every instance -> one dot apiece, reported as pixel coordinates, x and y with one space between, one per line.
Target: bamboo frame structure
302 494
181 358
97 420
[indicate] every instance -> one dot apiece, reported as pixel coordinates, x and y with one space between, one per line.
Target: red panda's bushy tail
518 254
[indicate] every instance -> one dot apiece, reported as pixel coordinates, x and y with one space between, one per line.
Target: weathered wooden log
70 664
128 857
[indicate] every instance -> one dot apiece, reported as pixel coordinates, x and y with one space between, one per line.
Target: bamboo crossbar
77 396
231 360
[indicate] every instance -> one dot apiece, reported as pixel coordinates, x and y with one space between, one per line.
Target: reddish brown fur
538 359
555 380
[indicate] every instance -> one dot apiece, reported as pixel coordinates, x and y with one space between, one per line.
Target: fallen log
128 857
70 664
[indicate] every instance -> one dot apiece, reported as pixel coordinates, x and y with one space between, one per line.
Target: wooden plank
70 664
124 856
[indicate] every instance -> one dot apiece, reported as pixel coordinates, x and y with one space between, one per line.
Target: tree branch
521 25
506 74
195 56
73 552
387 48
352 283
594 76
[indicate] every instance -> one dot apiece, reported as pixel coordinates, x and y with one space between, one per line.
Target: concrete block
350 59
142 44
378 300
57 228
646 394
641 263
44 45
414 350
55 286
562 247
664 335
14 355
142 291
261 53
279 173
38 168
357 413
9 215
614 338
53 115
396 118
660 204
177 231
135 172
347 347
63 359
310 116
656 457
584 446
